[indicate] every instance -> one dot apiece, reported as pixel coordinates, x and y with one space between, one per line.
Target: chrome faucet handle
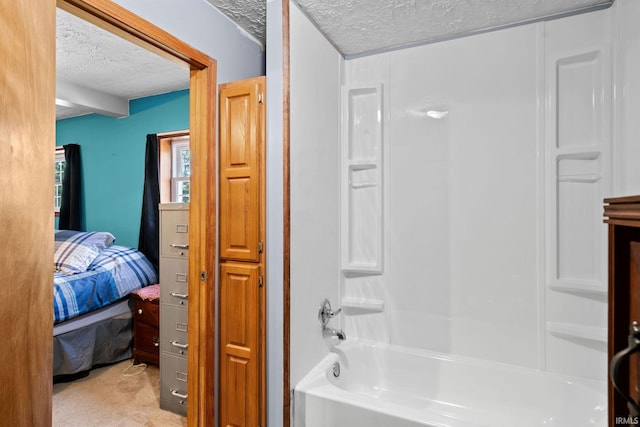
325 313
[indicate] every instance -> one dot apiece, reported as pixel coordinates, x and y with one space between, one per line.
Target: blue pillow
75 250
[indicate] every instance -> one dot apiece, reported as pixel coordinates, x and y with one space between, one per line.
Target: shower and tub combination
457 225
370 384
365 383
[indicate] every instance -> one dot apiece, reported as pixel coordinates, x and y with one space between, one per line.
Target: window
175 167
180 170
57 182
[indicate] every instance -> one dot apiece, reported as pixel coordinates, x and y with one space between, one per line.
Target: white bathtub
382 385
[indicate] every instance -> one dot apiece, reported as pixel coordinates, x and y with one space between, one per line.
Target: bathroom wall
627 130
315 161
275 214
462 213
495 152
578 134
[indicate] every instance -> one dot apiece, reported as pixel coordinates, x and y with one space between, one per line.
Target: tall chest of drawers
174 303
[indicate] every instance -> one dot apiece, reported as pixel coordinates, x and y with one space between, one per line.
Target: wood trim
202 241
166 162
622 200
615 213
164 170
173 134
122 22
286 279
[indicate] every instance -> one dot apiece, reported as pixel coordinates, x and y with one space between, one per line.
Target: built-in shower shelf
361 180
363 185
362 305
360 166
589 288
572 330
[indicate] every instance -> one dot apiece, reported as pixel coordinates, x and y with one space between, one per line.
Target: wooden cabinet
623 216
242 384
241 170
146 330
174 298
240 331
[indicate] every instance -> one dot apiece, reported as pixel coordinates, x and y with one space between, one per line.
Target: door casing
202 225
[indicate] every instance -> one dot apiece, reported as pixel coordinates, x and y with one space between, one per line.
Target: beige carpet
119 395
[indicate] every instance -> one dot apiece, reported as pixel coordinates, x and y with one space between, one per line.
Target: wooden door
241 143
27 140
240 331
242 230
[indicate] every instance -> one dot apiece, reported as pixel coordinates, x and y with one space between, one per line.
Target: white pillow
75 250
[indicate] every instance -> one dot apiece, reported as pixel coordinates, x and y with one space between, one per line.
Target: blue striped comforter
114 274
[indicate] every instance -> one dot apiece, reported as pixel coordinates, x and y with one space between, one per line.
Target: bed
92 313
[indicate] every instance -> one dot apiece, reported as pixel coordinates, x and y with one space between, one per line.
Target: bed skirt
106 337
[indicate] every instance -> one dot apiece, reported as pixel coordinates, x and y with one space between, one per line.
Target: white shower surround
490 251
470 263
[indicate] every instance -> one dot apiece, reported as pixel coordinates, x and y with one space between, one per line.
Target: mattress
121 309
113 274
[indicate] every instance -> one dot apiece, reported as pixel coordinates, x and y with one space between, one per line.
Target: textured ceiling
362 26
250 15
94 61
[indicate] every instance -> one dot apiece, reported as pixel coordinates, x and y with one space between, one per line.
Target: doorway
125 24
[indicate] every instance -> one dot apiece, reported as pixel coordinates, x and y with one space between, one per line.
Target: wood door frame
202 117
286 173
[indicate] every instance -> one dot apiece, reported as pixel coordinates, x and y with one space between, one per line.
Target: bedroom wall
112 152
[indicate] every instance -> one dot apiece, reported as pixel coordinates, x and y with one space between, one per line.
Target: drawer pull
179 344
139 311
156 342
178 395
179 246
177 295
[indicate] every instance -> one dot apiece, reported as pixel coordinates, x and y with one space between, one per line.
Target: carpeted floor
119 395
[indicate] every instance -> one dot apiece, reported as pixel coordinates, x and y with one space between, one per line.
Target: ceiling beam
69 95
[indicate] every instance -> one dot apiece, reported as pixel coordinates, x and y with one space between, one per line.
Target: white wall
627 147
494 244
202 26
461 195
275 219
486 254
579 85
314 159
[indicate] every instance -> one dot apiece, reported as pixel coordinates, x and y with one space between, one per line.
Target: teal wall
112 152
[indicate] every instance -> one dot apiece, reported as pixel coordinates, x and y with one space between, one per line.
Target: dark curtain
149 241
70 210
